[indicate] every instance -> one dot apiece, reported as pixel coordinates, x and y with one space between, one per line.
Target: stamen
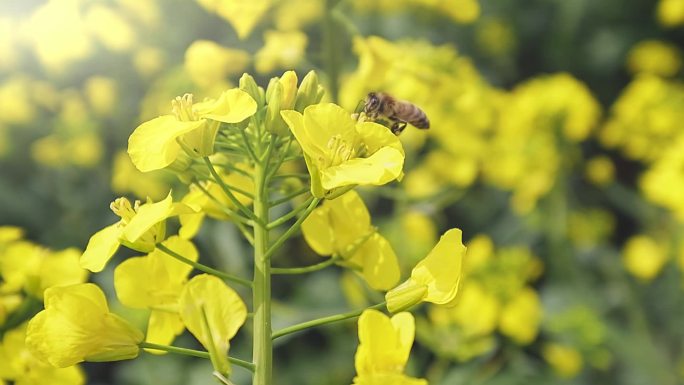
182 108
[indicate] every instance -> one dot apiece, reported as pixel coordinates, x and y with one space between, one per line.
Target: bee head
372 102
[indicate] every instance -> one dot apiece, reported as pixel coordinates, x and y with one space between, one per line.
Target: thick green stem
323 321
204 268
194 353
263 349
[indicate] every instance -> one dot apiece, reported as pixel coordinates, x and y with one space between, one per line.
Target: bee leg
398 127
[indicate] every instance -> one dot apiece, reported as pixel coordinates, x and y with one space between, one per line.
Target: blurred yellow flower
646 118
16 106
281 50
600 170
520 317
110 28
24 265
435 279
671 12
213 313
128 179
655 57
644 257
59 34
565 361
208 63
141 227
384 348
293 15
155 282
102 94
148 60
243 15
155 144
342 228
77 326
17 364
495 36
342 153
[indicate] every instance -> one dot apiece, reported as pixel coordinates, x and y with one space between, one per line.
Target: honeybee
380 105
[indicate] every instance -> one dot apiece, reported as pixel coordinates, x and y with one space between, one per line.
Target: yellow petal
134 278
376 136
101 247
152 146
384 343
313 150
213 313
233 106
441 269
162 328
382 167
151 214
380 266
317 231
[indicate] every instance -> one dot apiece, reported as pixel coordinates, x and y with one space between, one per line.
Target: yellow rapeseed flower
342 153
77 326
213 313
141 227
384 347
435 279
341 227
155 143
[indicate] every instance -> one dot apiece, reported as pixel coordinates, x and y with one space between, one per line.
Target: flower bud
289 83
309 92
248 85
274 122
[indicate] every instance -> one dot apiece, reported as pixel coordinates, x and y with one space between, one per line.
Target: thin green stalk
276 245
285 150
194 353
239 220
323 321
305 269
229 193
205 268
262 342
289 197
289 215
248 144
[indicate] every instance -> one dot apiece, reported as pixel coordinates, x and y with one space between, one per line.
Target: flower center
182 108
122 208
342 150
